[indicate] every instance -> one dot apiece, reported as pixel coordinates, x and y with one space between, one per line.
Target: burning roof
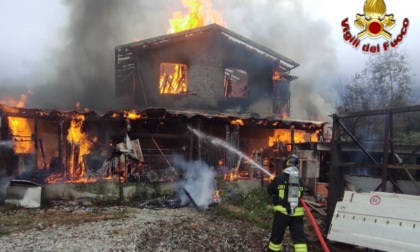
164 114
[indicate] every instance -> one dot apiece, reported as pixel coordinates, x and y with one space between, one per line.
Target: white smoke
291 28
198 180
4 182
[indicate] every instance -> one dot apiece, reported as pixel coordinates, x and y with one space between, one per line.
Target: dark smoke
82 70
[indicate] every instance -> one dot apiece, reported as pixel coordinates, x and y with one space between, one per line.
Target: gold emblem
374 22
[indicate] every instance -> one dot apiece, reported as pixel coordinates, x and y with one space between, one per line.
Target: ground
131 228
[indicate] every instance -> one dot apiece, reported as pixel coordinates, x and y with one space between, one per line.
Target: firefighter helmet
292 160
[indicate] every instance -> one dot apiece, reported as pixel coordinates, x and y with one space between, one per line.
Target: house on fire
207 79
208 68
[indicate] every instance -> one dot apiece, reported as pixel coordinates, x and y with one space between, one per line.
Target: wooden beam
415 108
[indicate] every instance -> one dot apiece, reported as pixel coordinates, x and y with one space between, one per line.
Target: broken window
173 78
236 83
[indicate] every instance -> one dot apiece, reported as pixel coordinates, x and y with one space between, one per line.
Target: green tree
384 82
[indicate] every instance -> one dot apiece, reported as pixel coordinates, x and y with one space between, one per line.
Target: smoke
290 28
199 181
4 182
82 69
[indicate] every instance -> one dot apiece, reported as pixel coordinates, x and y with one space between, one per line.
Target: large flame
200 13
173 77
20 128
78 139
22 135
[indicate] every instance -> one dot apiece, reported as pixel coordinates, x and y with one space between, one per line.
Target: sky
63 50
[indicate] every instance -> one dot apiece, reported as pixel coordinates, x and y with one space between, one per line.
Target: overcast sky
39 37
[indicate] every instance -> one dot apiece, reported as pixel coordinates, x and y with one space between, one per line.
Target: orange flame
200 13
216 196
131 115
173 78
20 128
22 135
237 122
9 101
232 175
299 136
78 138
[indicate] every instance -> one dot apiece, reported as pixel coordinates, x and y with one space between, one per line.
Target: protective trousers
295 224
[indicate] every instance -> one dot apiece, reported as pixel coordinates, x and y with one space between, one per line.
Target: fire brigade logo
375 23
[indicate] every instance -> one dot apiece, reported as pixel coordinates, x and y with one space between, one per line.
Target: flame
9 101
315 136
216 196
131 115
237 122
200 13
22 135
173 79
79 139
284 136
232 175
20 127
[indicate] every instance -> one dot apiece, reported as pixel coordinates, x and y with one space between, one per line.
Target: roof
284 64
162 114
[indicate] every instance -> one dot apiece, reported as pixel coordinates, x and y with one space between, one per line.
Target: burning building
207 68
188 89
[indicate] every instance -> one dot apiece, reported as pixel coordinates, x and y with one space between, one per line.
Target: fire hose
315 225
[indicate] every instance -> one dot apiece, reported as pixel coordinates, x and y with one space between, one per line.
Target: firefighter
285 190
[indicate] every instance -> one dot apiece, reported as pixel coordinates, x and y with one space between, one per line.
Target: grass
253 206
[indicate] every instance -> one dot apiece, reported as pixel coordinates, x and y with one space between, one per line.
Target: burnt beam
355 140
336 175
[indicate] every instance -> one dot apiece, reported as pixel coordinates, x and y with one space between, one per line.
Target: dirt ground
238 234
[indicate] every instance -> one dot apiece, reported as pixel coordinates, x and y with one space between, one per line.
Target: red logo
375 200
374 24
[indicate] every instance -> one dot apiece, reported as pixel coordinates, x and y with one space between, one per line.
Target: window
236 83
173 78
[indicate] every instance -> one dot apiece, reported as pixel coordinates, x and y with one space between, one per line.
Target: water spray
220 142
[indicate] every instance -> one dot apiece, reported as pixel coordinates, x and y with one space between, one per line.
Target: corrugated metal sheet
163 114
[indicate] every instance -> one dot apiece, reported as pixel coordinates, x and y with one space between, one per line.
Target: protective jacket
278 190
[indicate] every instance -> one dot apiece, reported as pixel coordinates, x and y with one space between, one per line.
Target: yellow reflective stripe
281 191
301 247
298 210
274 247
